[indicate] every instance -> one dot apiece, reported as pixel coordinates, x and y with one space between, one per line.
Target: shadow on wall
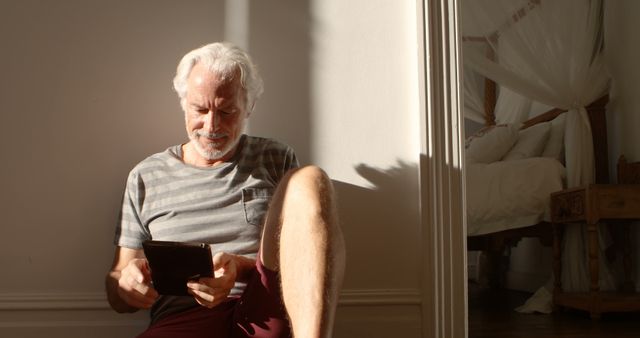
377 218
101 72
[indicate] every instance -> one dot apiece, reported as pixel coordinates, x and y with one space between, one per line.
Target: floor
491 314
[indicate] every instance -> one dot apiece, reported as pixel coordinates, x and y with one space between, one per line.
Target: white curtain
473 95
511 107
548 51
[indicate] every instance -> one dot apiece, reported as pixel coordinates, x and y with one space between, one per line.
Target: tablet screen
173 264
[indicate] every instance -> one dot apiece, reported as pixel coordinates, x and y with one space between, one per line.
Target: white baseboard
378 313
361 313
98 301
53 301
372 297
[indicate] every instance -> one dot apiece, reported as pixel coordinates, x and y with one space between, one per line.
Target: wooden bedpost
490 94
598 120
489 102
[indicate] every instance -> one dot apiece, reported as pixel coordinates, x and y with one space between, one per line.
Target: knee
309 178
311 187
311 201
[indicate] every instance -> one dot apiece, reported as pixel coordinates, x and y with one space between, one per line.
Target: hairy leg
302 239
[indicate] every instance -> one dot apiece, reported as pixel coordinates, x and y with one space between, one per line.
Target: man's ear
183 104
250 110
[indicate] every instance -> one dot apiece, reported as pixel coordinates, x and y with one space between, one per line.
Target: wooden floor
491 314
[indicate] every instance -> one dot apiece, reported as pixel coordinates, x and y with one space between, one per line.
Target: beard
215 150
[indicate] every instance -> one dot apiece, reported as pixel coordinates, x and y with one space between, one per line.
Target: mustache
211 135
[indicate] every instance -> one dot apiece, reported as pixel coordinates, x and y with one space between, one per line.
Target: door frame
442 184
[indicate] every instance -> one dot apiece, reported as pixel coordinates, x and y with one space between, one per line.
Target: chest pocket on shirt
255 202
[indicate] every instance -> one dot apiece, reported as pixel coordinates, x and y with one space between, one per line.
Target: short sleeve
130 230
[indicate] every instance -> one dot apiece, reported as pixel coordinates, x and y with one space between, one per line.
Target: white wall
86 94
623 111
365 130
623 53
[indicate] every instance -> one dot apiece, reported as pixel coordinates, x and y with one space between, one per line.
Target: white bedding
510 194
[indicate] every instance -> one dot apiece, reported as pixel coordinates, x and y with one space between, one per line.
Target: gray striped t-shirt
167 199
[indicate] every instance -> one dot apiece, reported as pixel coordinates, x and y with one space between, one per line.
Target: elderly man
277 249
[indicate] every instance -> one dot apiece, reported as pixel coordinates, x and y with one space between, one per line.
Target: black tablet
173 264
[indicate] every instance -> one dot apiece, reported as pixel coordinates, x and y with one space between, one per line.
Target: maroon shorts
257 313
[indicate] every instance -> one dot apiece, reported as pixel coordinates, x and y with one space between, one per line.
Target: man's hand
210 292
134 284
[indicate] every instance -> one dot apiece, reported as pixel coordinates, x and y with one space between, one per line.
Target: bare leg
303 240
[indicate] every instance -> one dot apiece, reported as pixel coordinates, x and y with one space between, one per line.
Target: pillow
530 143
490 144
555 144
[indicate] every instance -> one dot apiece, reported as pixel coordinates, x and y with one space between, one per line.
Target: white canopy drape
473 95
548 51
511 107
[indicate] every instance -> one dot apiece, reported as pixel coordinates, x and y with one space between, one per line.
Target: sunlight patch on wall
236 23
364 91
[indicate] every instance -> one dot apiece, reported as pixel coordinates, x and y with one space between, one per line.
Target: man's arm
128 283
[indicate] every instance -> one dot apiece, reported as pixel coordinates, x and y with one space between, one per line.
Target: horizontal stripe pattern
166 199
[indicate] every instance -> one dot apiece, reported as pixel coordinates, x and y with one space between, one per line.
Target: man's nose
212 120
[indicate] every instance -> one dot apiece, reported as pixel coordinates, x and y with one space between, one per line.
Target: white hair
224 59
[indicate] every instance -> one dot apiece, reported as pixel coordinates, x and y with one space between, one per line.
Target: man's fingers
207 299
136 290
134 285
143 272
137 299
201 286
206 295
221 259
201 295
218 282
141 287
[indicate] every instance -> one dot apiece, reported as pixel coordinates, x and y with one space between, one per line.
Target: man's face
215 113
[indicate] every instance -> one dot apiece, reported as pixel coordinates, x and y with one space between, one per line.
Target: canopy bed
520 209
516 53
